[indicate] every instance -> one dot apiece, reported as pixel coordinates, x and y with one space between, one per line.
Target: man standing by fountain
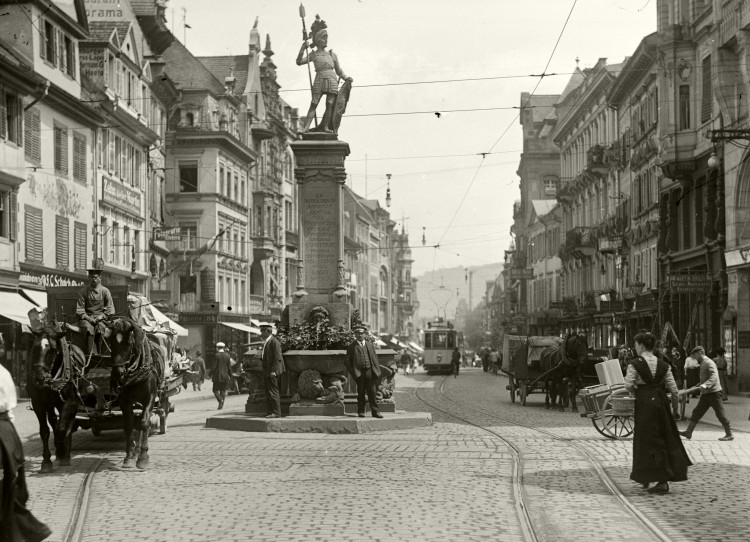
273 368
362 364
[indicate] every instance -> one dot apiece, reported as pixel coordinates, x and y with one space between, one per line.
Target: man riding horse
94 305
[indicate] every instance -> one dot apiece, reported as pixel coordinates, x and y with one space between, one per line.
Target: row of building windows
58 48
121 158
34 240
544 244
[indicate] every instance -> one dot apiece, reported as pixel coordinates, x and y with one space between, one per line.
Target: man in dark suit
220 374
273 368
362 364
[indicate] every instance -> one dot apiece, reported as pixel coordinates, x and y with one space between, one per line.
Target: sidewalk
737 409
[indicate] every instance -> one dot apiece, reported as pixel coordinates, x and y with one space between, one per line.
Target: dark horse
565 365
135 378
51 383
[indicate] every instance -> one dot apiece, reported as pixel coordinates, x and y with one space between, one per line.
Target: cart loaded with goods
608 405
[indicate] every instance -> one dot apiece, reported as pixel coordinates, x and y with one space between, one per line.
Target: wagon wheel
512 388
523 391
615 426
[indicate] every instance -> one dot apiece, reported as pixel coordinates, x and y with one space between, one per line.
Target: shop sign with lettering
49 280
197 318
689 283
167 234
521 273
121 196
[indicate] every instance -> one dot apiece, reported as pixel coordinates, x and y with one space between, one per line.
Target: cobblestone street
450 481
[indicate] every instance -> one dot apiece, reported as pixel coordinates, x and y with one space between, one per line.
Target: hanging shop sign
690 283
610 245
39 278
167 234
515 273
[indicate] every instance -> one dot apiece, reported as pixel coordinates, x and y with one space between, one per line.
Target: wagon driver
94 305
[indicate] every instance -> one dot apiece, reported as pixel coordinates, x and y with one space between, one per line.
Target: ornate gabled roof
187 71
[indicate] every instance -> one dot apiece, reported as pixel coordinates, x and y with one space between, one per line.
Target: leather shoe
660 488
272 416
377 415
362 415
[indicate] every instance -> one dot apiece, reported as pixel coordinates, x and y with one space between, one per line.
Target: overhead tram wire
549 61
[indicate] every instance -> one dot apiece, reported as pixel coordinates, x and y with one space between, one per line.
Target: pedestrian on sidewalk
362 363
220 375
455 361
658 453
710 395
485 360
494 360
199 368
17 523
273 368
721 365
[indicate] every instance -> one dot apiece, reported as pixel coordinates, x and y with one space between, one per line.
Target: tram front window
451 340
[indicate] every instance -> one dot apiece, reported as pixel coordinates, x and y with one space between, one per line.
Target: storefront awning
416 347
15 307
166 321
36 296
242 327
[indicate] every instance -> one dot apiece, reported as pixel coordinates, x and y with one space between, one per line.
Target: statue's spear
305 38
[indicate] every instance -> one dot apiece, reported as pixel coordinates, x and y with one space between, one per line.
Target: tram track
74 533
522 509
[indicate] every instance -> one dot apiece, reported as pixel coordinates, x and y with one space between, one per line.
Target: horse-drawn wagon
106 414
522 362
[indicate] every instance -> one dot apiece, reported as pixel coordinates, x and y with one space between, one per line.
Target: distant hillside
453 278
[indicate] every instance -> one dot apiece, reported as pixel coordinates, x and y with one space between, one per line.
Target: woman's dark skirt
658 453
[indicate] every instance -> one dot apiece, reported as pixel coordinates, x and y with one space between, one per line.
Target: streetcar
439 341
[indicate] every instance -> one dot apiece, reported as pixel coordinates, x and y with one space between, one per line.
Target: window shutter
707 97
79 158
61 150
79 247
62 242
33 233
19 121
32 132
12 215
42 41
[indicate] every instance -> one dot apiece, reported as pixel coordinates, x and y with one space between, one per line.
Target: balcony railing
735 15
579 244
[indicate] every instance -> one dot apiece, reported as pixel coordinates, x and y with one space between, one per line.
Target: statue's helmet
318 29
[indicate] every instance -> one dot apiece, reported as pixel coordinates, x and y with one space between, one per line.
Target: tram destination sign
515 273
689 283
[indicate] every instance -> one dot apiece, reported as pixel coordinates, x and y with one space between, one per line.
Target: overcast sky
438 177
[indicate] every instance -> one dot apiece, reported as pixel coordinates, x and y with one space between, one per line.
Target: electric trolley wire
476 173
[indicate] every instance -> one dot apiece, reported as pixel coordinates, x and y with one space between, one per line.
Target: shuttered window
3 114
32 136
79 157
61 150
707 97
12 215
79 246
34 242
62 242
11 121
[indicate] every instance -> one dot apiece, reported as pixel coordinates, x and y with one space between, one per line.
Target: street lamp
388 191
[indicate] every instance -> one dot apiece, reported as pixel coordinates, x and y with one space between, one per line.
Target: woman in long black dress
658 453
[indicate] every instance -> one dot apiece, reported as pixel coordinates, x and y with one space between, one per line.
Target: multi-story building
269 125
404 287
368 245
629 232
704 200
208 180
119 80
544 289
588 193
47 159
